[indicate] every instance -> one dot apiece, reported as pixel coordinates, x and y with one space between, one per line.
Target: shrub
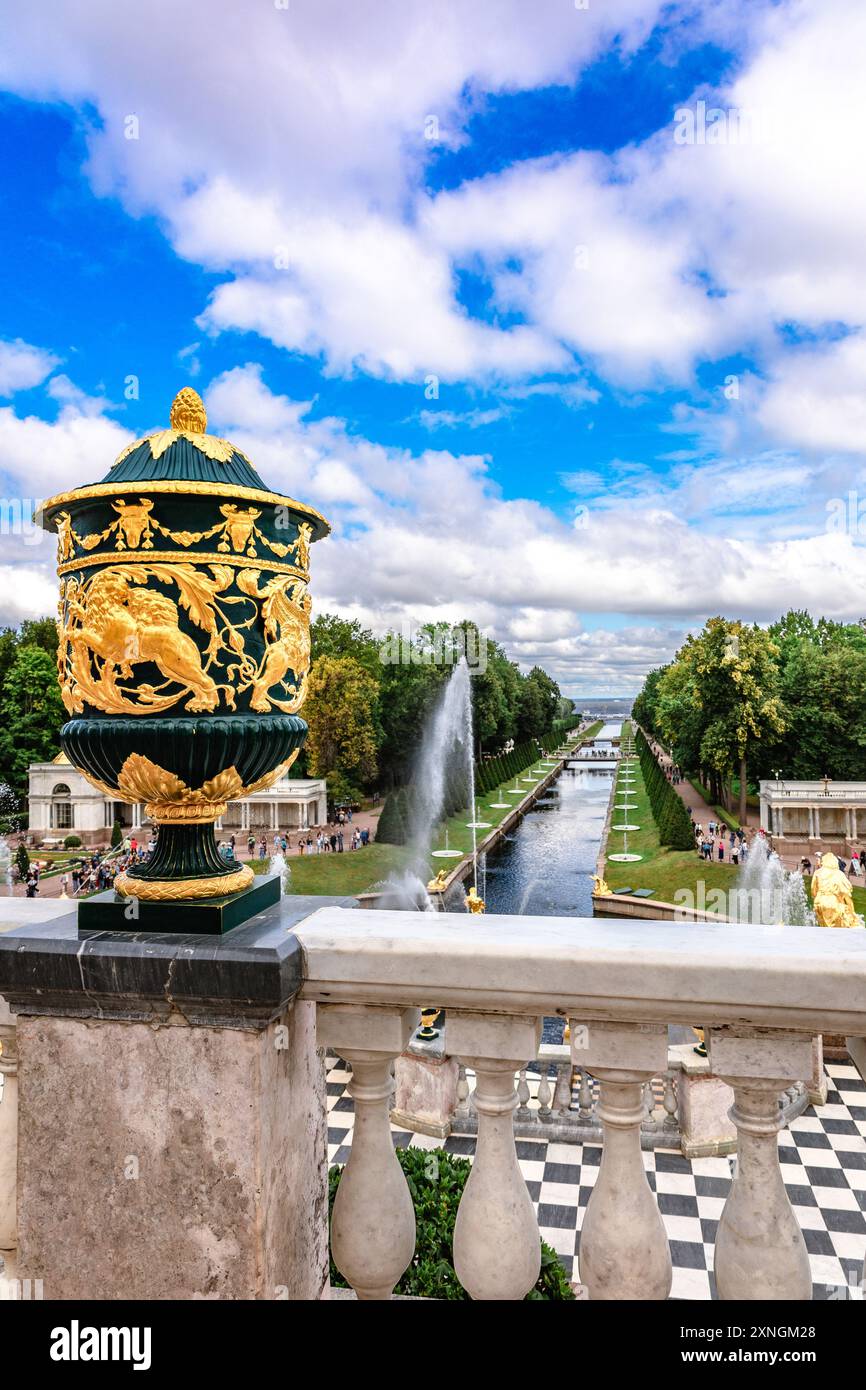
72 842
22 861
436 1180
116 835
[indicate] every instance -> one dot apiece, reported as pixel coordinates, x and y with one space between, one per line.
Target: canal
544 867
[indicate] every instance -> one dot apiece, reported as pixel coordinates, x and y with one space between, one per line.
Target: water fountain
767 893
278 864
623 807
447 852
445 771
6 868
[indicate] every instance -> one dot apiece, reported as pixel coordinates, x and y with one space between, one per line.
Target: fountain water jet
769 894
444 772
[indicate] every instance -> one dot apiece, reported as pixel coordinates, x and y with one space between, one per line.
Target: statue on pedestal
832 896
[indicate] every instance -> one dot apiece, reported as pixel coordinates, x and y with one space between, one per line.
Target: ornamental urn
184 641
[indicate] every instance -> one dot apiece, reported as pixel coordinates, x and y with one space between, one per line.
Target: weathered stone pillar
8 1127
426 1085
171 1139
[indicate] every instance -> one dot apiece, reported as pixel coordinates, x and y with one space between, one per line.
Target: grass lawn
353 871
665 869
661 868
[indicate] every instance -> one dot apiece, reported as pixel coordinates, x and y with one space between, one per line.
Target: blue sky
453 279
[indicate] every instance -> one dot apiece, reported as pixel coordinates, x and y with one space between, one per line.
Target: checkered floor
823 1159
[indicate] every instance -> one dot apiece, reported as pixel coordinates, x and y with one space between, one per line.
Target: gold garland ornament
174 889
169 801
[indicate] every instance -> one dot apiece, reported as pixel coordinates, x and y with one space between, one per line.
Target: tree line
741 702
367 699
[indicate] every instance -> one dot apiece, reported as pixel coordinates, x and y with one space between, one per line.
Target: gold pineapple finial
188 412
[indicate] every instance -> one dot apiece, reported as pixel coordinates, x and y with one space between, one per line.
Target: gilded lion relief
128 616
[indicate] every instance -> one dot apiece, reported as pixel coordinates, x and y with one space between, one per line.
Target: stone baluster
544 1093
8 1129
523 1111
462 1092
562 1090
373 1221
624 1252
760 1251
585 1098
670 1102
649 1101
497 1248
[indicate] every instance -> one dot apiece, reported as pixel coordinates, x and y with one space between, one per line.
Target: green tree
340 713
734 681
31 713
331 635
538 702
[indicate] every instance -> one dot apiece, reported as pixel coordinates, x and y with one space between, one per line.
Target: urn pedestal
184 650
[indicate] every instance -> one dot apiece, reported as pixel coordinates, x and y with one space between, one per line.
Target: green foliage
340 715
436 1180
669 812
791 697
341 791
116 835
72 842
22 862
31 711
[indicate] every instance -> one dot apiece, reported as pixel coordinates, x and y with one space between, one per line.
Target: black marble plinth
110 911
243 979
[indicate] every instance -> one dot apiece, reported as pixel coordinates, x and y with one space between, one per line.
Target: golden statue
600 888
437 884
833 899
473 902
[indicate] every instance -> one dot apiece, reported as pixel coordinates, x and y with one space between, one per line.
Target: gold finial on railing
188 412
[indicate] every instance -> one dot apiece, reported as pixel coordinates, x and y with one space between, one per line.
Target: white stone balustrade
497 1249
761 993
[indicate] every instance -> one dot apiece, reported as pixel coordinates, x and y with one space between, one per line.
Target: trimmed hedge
669 811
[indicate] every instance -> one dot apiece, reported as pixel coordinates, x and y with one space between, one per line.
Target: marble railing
760 992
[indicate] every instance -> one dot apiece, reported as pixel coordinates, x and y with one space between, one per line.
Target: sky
555 310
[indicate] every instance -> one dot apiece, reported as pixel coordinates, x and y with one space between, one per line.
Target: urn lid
183 454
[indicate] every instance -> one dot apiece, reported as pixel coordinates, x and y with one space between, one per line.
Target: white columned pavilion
823 810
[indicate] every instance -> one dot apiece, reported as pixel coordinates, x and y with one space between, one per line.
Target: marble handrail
804 979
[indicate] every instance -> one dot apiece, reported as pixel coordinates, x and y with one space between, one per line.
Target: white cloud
430 536
23 366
